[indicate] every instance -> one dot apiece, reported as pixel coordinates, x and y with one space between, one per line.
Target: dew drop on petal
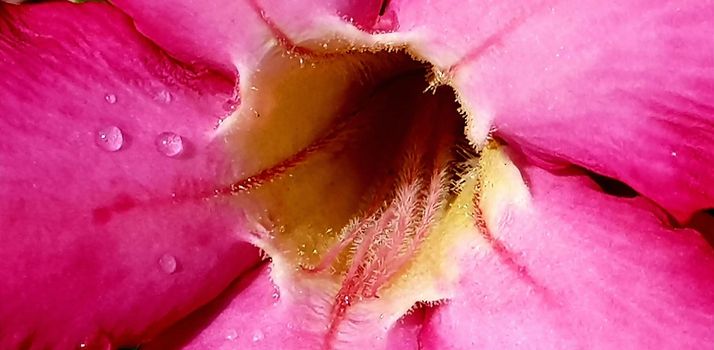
257 336
110 138
231 334
230 105
110 98
167 263
169 144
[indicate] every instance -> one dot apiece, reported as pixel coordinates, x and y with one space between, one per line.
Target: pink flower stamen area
382 242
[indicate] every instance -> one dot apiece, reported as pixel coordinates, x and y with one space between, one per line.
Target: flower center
356 181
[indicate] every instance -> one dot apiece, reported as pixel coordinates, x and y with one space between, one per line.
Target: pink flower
152 152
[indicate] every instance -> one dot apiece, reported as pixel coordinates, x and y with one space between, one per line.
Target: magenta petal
234 33
95 246
623 88
254 315
251 315
578 269
217 33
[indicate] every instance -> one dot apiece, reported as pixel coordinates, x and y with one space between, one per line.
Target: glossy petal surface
254 315
235 34
105 245
571 267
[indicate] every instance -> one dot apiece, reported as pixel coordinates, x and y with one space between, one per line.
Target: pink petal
96 249
230 33
579 269
622 88
254 315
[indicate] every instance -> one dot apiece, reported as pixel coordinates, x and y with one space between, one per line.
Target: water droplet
169 144
110 98
258 336
230 105
276 295
110 138
231 334
164 96
674 154
167 263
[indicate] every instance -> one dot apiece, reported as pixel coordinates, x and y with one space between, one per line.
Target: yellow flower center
358 181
